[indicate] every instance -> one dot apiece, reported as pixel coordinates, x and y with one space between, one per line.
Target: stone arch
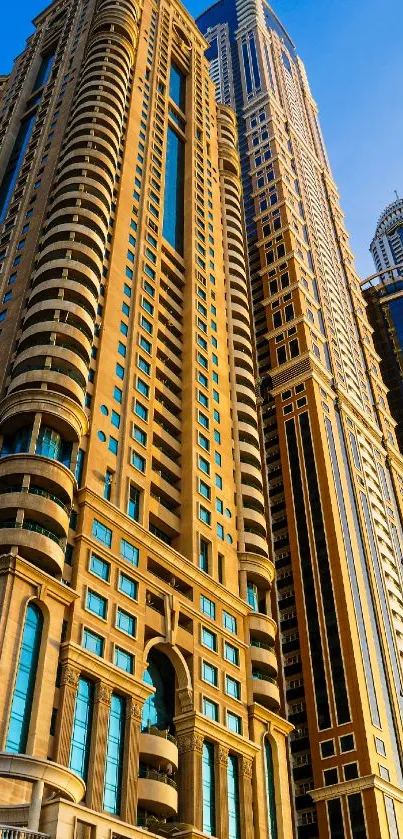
185 688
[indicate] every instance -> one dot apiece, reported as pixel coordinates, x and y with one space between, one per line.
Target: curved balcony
30 768
258 570
67 417
158 749
50 475
265 691
35 543
157 793
262 627
263 658
39 503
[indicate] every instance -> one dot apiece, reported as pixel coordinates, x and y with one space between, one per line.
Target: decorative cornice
357 785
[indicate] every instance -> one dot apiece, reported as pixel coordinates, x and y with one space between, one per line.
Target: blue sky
353 54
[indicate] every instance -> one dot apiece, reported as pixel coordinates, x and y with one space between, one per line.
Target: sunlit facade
334 471
137 645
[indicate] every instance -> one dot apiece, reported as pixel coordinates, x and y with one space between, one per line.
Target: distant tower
384 295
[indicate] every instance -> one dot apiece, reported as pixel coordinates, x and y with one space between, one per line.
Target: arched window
271 798
82 723
21 706
208 789
159 709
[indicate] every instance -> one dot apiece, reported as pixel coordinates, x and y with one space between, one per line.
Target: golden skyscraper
333 467
137 659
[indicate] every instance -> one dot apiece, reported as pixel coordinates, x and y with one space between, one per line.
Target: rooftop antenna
395 191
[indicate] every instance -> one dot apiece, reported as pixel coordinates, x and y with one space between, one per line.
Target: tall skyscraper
137 659
333 467
384 296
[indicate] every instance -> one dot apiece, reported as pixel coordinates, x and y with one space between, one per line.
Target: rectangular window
207 606
114 755
139 435
82 724
124 660
234 812
204 515
133 507
129 552
100 567
173 220
102 533
232 687
96 604
210 709
209 639
139 462
177 86
93 642
210 673
229 622
204 554
234 722
141 410
231 653
126 622
128 586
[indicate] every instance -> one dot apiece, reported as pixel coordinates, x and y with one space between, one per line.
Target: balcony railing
34 490
154 775
7 831
36 528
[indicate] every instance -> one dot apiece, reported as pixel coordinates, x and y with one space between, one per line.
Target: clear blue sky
352 50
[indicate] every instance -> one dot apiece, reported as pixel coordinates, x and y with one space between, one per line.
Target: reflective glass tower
333 468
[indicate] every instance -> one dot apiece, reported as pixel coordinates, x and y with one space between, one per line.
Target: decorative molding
246 767
222 755
190 743
134 710
104 693
70 676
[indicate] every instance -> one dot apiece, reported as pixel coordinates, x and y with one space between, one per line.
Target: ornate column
221 781
190 748
245 795
131 761
68 692
99 736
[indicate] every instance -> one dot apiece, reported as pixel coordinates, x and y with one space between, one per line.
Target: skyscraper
384 295
137 660
333 467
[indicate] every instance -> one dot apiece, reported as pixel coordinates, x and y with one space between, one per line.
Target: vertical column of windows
209 792
114 755
234 811
24 687
82 723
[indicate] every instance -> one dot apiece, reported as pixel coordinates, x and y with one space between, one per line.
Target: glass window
128 586
23 694
204 465
204 514
117 394
234 814
204 553
210 673
173 219
232 687
270 790
102 533
100 567
96 604
229 622
114 755
177 86
139 435
124 660
133 507
126 622
207 606
209 639
113 445
234 722
231 653
210 709
209 820
141 410
129 552
82 723
139 462
93 642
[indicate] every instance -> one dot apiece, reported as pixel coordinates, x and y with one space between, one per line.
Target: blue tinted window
14 164
128 586
207 606
177 87
100 567
234 815
209 639
271 800
96 604
102 533
234 723
124 660
210 709
208 789
25 682
246 65
93 642
172 228
81 736
255 65
114 755
126 622
129 552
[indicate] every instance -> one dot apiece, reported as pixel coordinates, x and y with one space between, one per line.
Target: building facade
137 645
383 293
334 470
